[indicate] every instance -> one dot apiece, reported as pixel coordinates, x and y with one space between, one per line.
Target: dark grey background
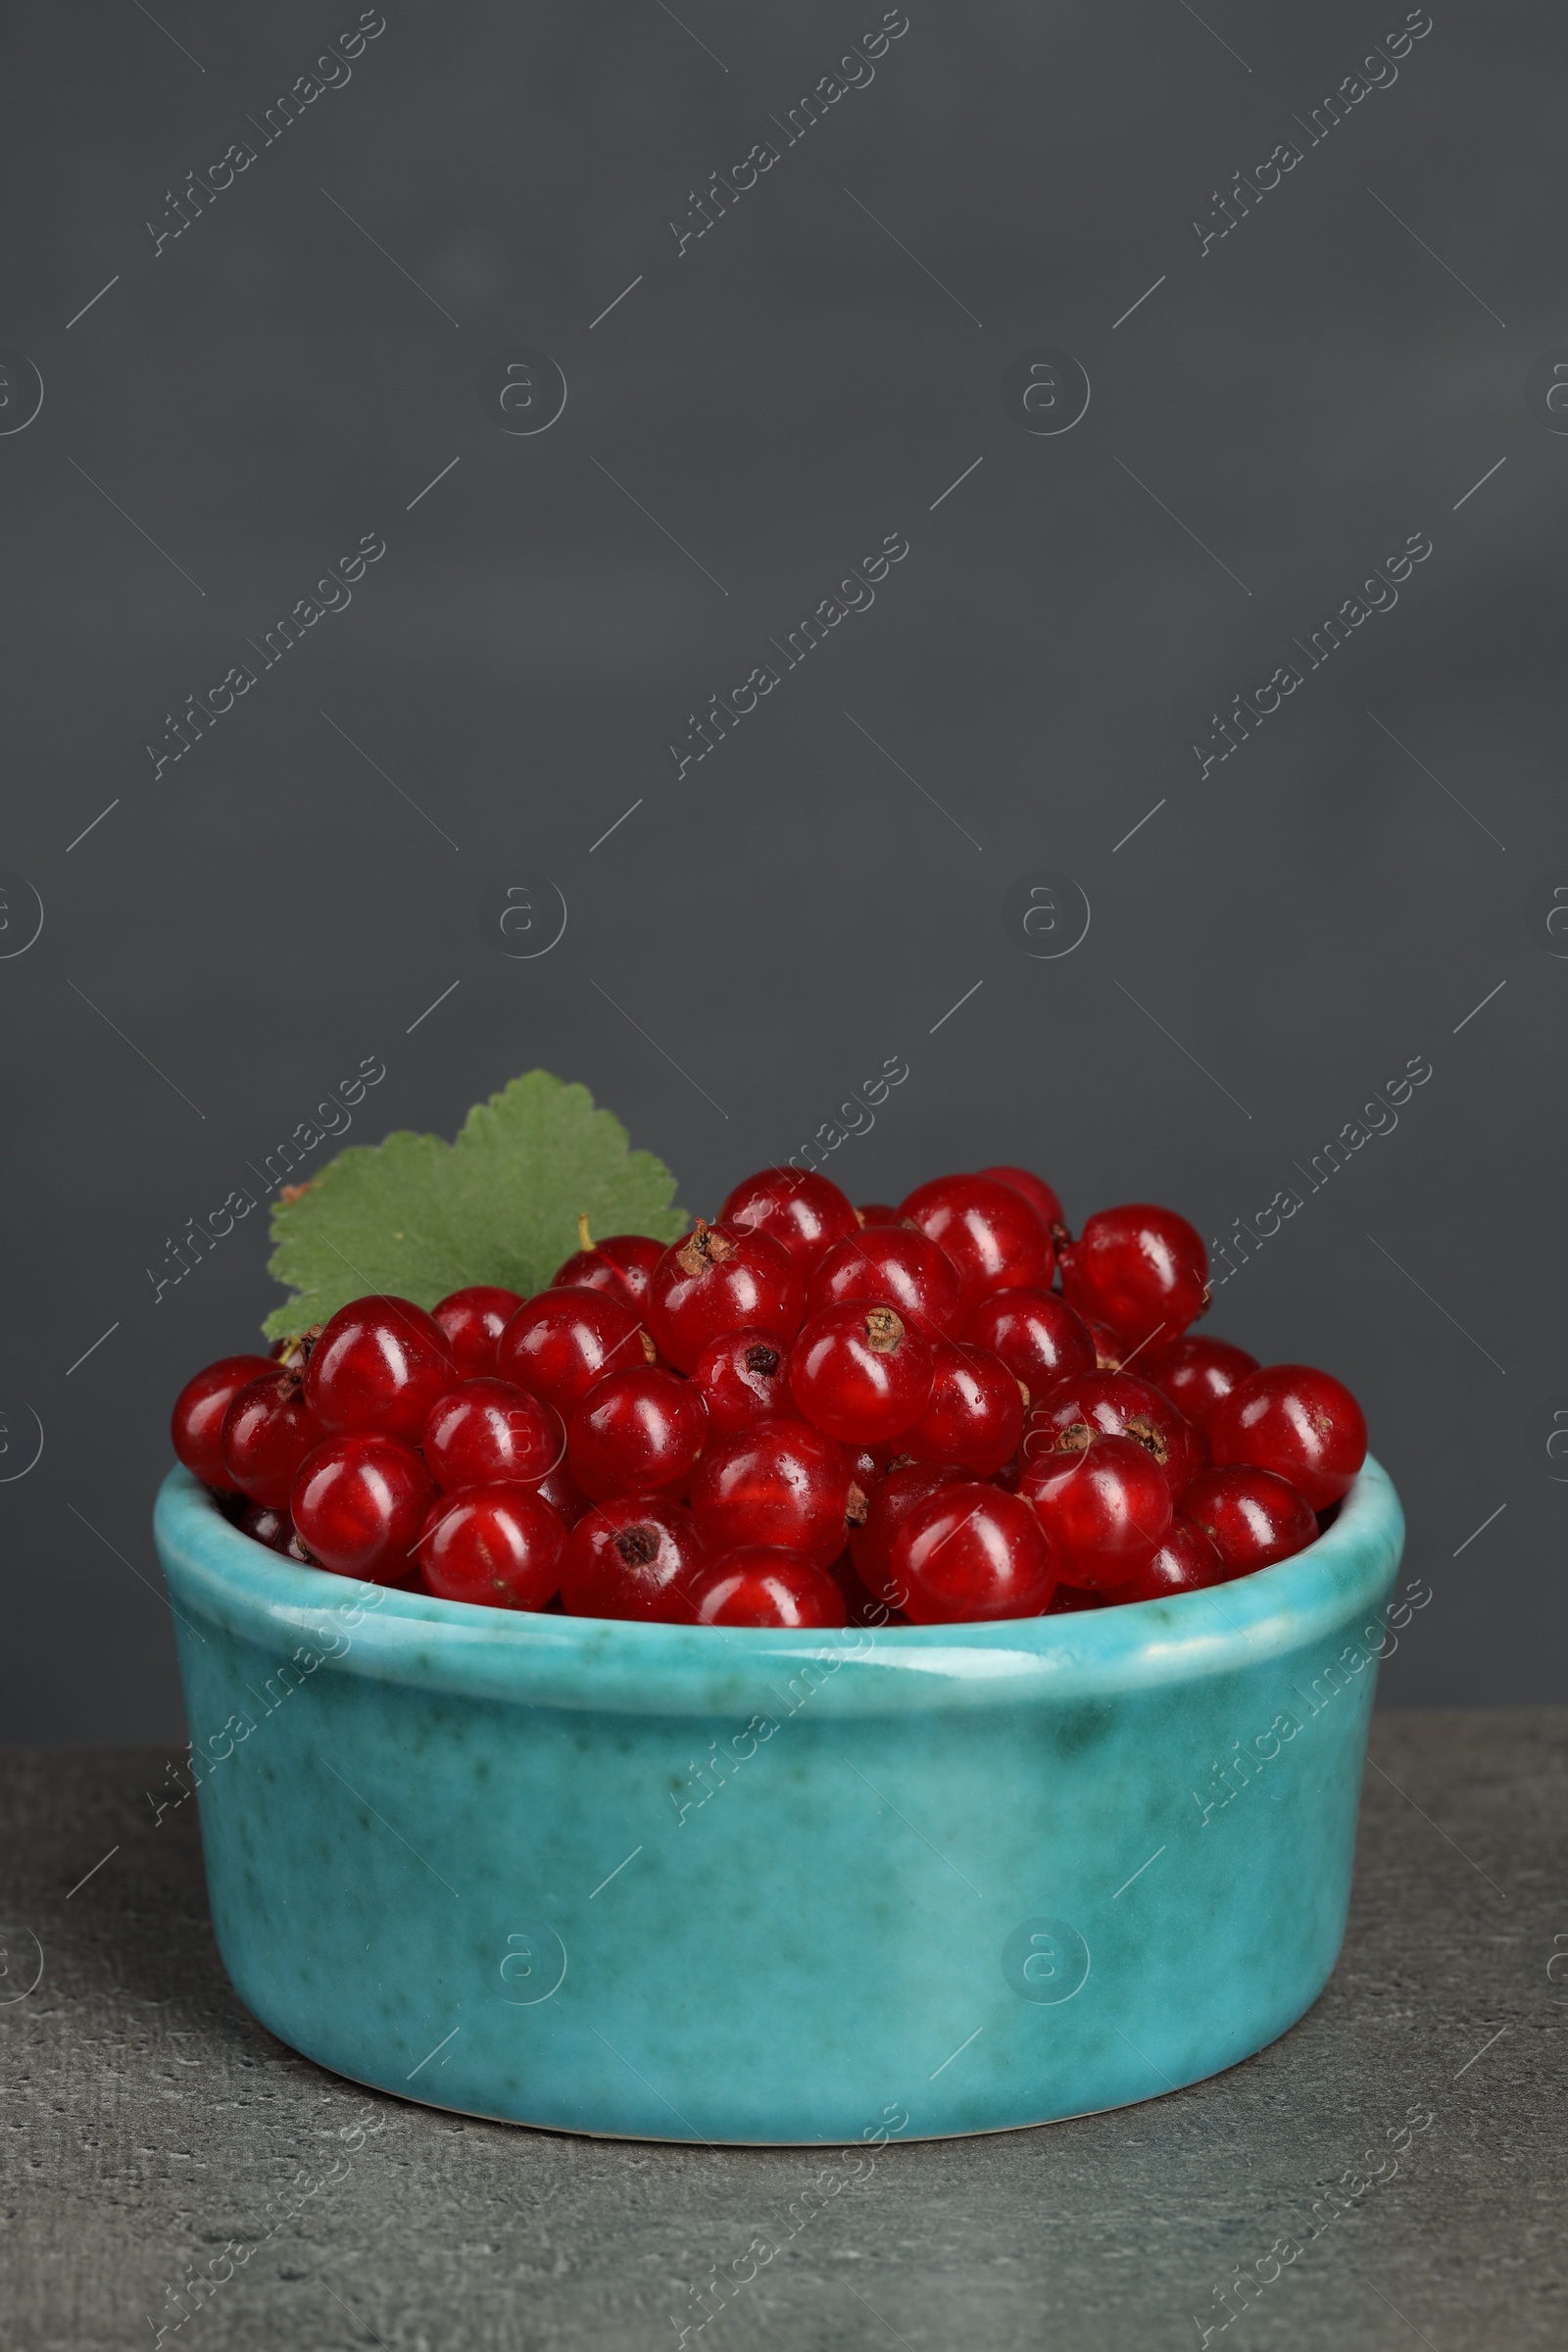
787 391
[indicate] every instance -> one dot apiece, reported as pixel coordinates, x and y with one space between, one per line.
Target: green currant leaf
421 1217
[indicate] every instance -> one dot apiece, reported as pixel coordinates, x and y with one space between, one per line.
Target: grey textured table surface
150 2124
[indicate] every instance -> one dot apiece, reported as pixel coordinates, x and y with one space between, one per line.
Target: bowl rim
226 1578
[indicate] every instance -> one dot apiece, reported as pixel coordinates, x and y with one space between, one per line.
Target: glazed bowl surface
722 1884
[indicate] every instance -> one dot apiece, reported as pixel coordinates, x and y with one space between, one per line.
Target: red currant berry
1039 1195
990 1231
563 1495
969 1553
360 1502
778 1481
1197 1374
742 1377
1304 1425
720 1278
497 1545
637 1556
637 1433
1114 1405
263 1525
486 1430
381 1363
1251 1517
196 1424
1036 1333
877 1212
561 1343
888 1506
1186 1562
894 1267
857 1375
472 1321
1106 1510
1068 1600
1141 1269
267 1432
794 1206
762 1584
623 1264
975 1416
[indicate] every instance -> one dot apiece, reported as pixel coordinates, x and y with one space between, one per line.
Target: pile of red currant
802 1414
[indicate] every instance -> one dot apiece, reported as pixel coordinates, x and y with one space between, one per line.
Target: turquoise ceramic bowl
680 1883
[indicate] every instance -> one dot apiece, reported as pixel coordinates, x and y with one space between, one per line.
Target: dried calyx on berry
704 1247
1149 1437
294 1355
638 1545
883 1330
763 1359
